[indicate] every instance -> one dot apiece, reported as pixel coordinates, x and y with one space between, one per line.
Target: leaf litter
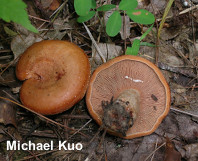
178 60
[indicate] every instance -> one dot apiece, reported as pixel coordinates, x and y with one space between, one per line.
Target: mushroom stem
120 114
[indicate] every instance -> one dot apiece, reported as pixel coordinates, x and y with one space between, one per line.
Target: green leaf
147 44
14 10
106 7
82 19
114 24
82 7
129 51
134 49
128 5
9 31
141 16
146 33
93 4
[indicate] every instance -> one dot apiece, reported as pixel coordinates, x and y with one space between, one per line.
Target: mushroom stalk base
120 114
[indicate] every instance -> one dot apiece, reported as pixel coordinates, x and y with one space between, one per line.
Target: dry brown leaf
171 154
7 111
192 151
109 51
54 5
21 42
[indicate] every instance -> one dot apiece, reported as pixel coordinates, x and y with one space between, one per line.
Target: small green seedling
14 10
137 43
86 9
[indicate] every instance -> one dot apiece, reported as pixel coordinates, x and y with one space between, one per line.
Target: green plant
86 9
14 10
137 43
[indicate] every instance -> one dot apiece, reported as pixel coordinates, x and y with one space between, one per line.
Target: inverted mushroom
129 96
56 75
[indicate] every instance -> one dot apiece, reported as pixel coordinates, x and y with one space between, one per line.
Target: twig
163 43
179 70
41 154
105 153
9 64
92 152
101 156
70 116
183 112
102 139
95 44
154 151
40 115
5 57
42 133
102 143
182 12
80 128
101 128
57 10
188 9
5 51
37 18
155 148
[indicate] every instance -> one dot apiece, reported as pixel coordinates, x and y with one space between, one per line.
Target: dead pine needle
150 155
44 117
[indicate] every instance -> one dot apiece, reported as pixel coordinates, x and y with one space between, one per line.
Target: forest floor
176 56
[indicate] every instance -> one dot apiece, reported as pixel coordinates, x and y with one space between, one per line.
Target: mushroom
56 75
129 96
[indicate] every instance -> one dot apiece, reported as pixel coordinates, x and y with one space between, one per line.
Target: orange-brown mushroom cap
56 75
130 72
